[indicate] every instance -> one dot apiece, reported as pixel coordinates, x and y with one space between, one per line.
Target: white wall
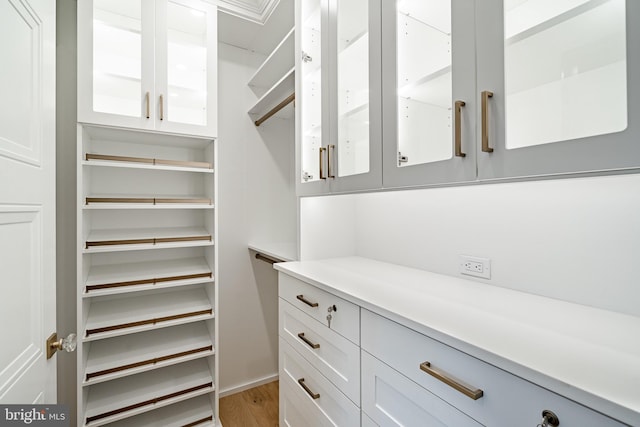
255 202
573 239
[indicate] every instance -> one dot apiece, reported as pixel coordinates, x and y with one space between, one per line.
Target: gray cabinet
468 90
507 89
338 92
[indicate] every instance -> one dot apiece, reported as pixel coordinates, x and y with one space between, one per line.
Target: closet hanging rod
266 258
275 109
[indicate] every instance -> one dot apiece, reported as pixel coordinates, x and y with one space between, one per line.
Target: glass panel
353 87
117 57
187 65
565 70
311 96
424 81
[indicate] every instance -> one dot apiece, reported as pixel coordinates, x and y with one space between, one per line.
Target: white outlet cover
486 266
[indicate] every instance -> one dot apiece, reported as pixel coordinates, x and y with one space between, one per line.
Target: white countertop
587 354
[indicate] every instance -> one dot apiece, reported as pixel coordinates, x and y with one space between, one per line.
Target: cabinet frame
154 73
593 154
329 111
454 169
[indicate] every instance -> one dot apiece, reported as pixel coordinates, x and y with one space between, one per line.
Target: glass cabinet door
311 21
354 150
116 72
186 55
428 77
560 77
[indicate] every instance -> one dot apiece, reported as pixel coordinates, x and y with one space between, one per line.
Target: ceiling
257 25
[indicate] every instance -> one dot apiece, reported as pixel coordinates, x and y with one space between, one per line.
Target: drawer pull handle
485 121
306 301
467 390
313 395
458 127
307 341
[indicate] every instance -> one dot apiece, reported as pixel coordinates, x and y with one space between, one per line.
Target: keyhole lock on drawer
549 419
330 310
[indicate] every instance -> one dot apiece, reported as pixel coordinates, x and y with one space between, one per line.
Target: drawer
315 302
333 355
324 403
391 399
507 400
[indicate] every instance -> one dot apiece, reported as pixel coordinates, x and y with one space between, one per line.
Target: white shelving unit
274 80
146 299
277 64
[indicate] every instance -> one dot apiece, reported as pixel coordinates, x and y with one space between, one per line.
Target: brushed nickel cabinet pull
320 151
329 154
485 121
306 301
313 395
307 341
146 101
467 390
458 128
161 107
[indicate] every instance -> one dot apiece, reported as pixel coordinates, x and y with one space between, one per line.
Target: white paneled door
27 200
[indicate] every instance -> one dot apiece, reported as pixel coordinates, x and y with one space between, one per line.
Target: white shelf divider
140 276
122 398
277 64
132 354
121 316
196 412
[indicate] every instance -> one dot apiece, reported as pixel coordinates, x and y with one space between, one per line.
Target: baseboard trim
246 386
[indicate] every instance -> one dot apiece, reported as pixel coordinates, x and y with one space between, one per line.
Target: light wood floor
256 407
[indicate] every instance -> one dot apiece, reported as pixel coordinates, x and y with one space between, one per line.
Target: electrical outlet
474 266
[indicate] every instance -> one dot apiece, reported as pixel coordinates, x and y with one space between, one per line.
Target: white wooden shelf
132 354
140 276
433 89
113 164
280 251
127 201
277 64
146 238
121 316
125 397
543 18
279 92
195 412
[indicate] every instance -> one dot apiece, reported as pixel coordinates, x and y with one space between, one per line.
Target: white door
27 200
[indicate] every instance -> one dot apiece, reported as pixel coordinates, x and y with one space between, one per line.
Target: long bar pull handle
320 151
485 121
308 342
161 107
331 148
313 395
306 301
466 389
458 130
146 101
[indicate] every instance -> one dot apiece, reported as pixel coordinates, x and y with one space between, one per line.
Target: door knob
67 344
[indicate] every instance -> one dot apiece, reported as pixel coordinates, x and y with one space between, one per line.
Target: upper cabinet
429 91
338 95
148 64
469 90
559 80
